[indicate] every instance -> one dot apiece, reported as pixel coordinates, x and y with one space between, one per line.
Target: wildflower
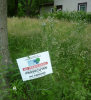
49 17
83 57
14 88
43 24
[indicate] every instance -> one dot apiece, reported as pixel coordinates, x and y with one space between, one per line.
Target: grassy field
69 45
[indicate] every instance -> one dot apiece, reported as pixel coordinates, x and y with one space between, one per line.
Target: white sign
35 66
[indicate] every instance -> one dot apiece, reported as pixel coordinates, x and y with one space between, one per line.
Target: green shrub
21 10
88 17
73 15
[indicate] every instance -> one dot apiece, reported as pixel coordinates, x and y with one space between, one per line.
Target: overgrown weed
70 52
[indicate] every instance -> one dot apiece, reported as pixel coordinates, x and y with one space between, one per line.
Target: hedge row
73 15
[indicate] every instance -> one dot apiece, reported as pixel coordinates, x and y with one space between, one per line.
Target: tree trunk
27 8
16 7
4 52
30 6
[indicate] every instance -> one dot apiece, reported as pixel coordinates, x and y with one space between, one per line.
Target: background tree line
25 7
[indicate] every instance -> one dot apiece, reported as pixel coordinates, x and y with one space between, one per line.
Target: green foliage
21 10
24 90
73 15
22 7
2 81
88 17
11 7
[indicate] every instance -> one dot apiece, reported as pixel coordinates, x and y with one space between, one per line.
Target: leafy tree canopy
21 10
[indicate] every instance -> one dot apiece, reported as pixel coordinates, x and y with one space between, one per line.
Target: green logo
38 59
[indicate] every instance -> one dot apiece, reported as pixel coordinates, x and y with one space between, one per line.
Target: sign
35 66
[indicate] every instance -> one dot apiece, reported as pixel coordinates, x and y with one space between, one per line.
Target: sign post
35 66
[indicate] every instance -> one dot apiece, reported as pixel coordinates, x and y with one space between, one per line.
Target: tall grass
69 45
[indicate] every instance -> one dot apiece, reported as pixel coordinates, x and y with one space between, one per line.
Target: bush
73 15
89 17
20 11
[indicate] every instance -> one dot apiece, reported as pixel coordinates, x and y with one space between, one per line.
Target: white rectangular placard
35 66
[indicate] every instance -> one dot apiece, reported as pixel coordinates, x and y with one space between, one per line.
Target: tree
16 7
28 7
11 7
4 51
35 7
24 7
